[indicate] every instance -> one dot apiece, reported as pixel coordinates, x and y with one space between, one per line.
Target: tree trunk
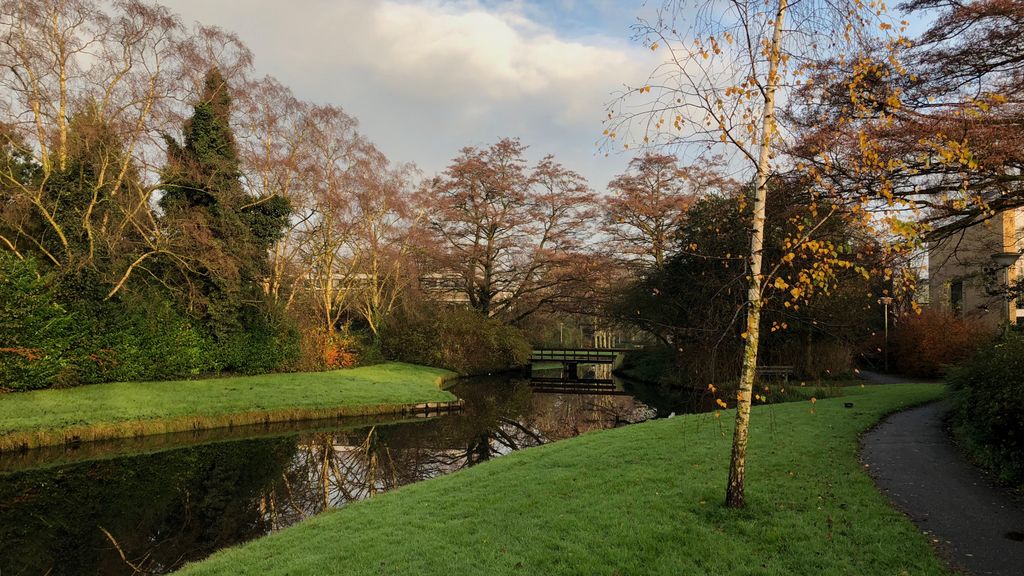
734 497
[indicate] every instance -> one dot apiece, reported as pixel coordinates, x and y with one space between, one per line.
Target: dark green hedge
455 338
988 415
35 332
61 330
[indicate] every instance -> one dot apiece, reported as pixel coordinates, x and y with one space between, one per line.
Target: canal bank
162 500
638 499
132 409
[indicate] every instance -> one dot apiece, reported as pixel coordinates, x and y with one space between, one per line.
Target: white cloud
501 56
428 77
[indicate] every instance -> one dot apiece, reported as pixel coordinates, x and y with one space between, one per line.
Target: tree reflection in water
152 512
333 469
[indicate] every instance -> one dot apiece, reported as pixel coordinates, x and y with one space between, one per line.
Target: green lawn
133 408
644 499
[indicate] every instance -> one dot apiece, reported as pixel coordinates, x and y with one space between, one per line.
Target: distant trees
511 233
647 205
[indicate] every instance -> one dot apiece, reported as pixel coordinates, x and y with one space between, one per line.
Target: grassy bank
127 409
644 499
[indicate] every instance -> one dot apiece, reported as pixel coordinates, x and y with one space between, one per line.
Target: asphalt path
977 526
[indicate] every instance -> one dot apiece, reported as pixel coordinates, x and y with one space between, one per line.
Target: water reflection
149 513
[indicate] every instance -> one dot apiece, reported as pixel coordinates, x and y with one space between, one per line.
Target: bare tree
507 229
276 145
648 204
328 263
385 228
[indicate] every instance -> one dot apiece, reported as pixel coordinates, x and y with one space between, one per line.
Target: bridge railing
575 355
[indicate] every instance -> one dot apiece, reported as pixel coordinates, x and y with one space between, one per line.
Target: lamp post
886 300
1005 260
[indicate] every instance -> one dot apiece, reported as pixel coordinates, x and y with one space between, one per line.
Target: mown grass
644 499
127 409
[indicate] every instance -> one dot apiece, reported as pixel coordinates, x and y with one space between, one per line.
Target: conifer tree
223 232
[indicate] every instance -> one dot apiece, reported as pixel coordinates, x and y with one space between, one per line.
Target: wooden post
571 371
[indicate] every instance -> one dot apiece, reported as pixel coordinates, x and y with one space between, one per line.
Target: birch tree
328 266
276 144
385 230
727 67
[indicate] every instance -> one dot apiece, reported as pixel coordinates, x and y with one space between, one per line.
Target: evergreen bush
988 413
458 339
35 331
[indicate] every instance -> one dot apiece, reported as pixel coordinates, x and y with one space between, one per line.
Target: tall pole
886 300
1006 299
886 337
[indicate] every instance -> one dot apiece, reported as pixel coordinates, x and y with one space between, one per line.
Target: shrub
988 400
266 342
928 344
345 348
341 351
156 343
652 365
458 339
134 337
35 331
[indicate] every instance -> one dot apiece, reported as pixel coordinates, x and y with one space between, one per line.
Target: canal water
147 506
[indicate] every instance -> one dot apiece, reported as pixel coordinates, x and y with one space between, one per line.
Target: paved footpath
979 528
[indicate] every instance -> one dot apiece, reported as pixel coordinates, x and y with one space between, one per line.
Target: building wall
961 272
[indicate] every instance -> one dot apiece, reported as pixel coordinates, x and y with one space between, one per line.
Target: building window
956 297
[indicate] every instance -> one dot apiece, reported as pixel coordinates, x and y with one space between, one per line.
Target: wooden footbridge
571 358
576 355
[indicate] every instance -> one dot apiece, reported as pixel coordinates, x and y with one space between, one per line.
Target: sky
427 77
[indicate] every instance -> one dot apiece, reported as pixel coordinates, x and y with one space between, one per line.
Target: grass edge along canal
642 499
131 409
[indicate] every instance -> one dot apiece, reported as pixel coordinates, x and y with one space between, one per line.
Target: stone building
969 272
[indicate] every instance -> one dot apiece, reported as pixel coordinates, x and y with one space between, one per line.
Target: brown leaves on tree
648 204
510 233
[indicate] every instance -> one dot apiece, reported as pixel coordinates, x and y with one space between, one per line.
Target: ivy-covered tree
221 234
